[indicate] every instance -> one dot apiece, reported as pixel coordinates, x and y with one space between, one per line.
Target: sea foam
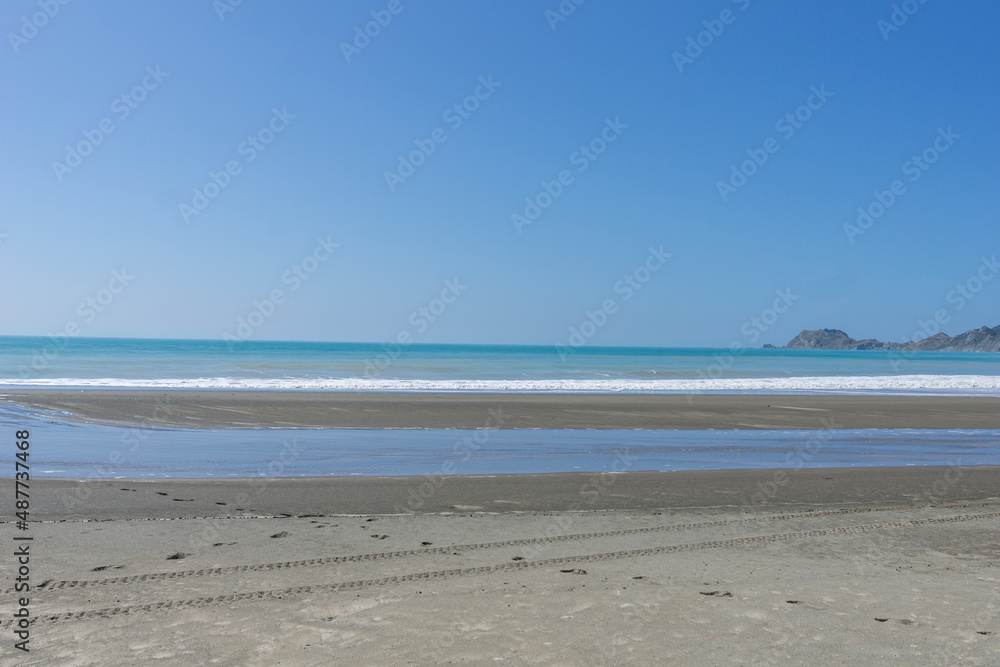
945 384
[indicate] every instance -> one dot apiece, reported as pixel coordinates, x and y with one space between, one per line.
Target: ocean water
52 362
62 448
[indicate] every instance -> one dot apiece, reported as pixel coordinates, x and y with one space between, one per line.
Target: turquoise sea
64 447
202 364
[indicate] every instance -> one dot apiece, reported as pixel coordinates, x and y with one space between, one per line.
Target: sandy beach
866 565
848 566
496 333
227 409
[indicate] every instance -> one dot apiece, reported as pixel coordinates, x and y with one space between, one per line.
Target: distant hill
983 339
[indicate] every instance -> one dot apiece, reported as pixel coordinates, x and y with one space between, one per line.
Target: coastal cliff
983 339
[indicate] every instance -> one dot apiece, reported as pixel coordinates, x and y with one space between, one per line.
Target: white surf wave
970 384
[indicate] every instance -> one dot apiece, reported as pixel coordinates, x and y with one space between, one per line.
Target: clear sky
309 115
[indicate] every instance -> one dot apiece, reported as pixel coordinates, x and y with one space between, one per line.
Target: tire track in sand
359 558
278 594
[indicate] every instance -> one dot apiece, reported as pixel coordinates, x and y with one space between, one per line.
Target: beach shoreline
306 409
789 565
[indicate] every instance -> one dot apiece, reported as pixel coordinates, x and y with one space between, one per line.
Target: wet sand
850 566
222 409
97 499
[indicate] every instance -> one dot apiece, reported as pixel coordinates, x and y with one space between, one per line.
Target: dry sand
895 566
222 409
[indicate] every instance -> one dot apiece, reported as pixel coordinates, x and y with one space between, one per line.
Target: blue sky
198 82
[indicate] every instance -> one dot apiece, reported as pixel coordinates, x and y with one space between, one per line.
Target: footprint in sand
380 537
426 544
220 503
160 493
101 568
806 605
177 556
283 533
574 571
721 594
